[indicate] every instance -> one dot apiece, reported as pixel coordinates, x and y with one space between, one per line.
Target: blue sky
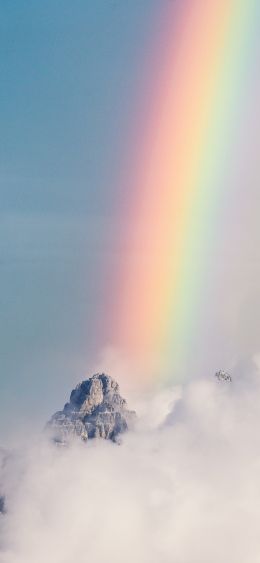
70 74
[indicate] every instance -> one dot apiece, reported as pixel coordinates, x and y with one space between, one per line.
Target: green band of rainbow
180 181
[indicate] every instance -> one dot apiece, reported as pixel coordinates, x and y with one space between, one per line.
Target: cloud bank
183 487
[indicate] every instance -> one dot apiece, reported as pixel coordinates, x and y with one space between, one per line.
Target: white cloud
185 491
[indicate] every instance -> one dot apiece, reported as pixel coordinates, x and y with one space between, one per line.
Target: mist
183 486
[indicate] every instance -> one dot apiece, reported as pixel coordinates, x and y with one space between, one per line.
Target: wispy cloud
183 487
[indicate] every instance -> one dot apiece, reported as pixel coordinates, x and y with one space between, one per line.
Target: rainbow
197 88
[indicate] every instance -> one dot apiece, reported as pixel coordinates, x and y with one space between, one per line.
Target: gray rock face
2 505
222 375
4 458
95 410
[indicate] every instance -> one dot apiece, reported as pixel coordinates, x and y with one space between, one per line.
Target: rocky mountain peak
222 375
95 410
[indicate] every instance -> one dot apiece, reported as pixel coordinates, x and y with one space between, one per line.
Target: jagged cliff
95 410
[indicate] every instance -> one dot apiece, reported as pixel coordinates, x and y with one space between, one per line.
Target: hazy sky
71 74
68 81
